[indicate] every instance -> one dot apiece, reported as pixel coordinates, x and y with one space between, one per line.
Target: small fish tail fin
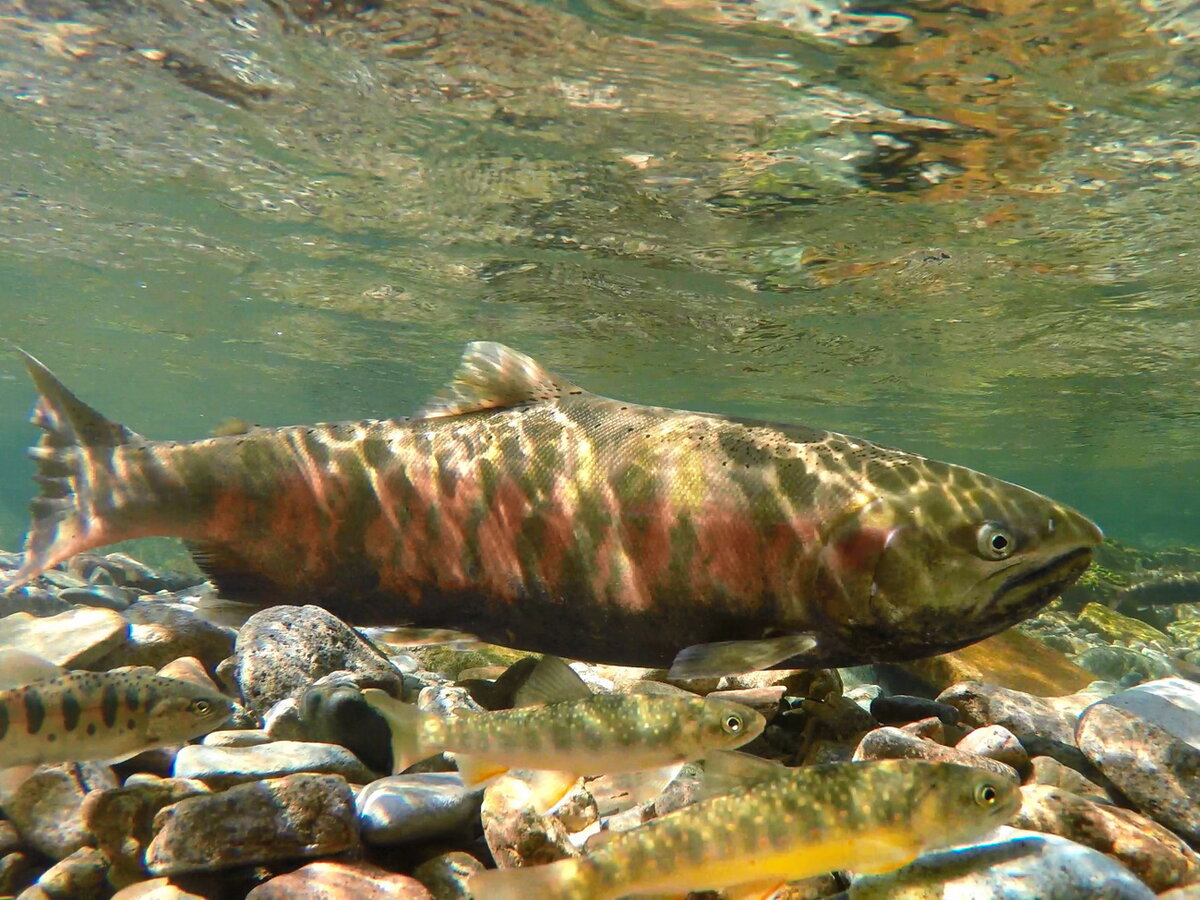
567 879
409 726
74 470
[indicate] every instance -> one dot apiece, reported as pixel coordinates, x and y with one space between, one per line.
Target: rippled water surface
967 230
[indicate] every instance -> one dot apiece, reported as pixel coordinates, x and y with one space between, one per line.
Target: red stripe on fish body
534 514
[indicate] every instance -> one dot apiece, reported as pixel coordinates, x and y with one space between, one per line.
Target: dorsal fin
493 376
551 681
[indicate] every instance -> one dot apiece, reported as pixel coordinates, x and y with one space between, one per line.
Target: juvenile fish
868 817
81 716
591 735
527 511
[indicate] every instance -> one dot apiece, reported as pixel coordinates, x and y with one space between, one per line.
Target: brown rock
16 872
998 743
190 669
154 889
121 821
75 639
161 631
1050 771
46 806
79 876
340 881
1010 659
281 818
1155 855
930 729
515 833
892 743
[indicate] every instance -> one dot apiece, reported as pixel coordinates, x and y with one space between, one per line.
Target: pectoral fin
549 788
735 657
478 770
730 771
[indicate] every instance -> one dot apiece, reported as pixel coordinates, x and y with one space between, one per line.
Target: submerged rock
998 743
75 639
416 807
892 743
79 876
46 807
515 833
221 767
283 818
1147 741
340 881
1017 865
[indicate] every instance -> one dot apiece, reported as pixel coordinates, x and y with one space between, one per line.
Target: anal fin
478 770
549 788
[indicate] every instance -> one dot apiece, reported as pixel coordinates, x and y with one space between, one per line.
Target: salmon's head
725 725
177 711
945 556
954 804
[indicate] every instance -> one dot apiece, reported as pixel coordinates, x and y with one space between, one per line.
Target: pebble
998 743
1159 858
79 876
46 806
1022 714
1018 865
222 767
121 821
515 833
340 881
161 631
75 639
1046 770
900 709
1147 741
282 721
446 876
892 743
405 808
282 650
293 817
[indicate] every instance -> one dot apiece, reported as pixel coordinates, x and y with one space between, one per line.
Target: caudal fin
566 879
74 470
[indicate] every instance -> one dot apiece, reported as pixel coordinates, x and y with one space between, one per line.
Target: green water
975 239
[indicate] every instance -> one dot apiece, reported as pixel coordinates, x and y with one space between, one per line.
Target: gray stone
1120 664
246 737
161 631
75 639
405 808
282 721
31 599
1050 771
1022 714
446 876
121 821
892 743
222 767
46 806
79 876
1018 865
1155 855
1147 741
282 650
294 817
998 743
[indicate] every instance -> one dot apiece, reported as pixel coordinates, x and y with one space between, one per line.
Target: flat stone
341 881
892 743
155 889
998 743
121 821
1155 855
294 817
515 833
282 650
1120 629
1051 772
900 709
1018 865
221 767
162 631
46 806
246 737
75 639
417 807
447 875
79 876
1010 659
1147 741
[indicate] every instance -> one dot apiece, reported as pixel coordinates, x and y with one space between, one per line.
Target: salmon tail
74 466
567 879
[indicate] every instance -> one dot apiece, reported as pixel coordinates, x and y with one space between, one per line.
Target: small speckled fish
82 716
868 817
563 739
527 511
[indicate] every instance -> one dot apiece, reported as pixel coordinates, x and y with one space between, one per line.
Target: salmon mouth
1037 587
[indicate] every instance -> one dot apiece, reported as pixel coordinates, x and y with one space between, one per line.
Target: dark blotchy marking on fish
3 721
71 710
35 712
131 697
535 514
91 729
109 702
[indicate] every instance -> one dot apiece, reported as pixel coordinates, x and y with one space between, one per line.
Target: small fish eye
732 724
995 541
986 795
201 707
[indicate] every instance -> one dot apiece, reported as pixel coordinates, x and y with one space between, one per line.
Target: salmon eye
732 724
201 707
995 541
986 795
